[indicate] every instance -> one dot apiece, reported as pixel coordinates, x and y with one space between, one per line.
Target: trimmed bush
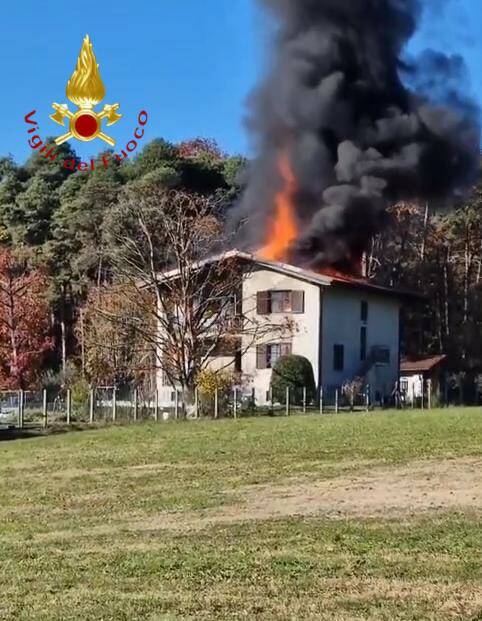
297 373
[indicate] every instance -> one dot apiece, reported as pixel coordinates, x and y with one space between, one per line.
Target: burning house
346 124
344 325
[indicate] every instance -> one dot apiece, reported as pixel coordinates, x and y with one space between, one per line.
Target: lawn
350 516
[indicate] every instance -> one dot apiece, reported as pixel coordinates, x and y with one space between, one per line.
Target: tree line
74 247
59 252
438 253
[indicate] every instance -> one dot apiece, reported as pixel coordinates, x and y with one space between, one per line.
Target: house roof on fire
326 278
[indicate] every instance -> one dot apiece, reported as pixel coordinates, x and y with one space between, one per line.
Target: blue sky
189 63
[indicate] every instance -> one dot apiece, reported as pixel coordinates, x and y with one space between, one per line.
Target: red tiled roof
421 365
324 277
361 282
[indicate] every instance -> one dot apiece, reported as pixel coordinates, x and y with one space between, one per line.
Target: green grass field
362 516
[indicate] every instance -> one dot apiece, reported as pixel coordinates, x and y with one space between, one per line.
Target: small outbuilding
422 378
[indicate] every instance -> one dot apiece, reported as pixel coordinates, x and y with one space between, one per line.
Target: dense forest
58 236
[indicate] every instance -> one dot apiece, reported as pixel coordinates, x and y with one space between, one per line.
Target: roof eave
302 274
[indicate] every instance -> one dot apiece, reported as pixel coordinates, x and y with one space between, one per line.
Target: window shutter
262 357
298 301
262 302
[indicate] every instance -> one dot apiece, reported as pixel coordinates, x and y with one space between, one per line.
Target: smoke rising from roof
362 125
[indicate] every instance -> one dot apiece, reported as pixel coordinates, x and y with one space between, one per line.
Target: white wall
305 337
414 384
341 325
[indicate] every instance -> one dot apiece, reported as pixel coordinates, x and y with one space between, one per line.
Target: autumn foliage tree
111 350
200 147
24 323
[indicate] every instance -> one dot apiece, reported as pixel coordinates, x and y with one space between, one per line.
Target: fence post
44 407
336 401
216 403
68 405
91 405
19 409
429 394
321 399
156 406
423 393
136 404
114 404
367 398
304 399
176 404
413 396
196 402
235 403
287 400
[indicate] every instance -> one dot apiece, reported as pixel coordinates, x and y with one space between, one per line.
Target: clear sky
189 63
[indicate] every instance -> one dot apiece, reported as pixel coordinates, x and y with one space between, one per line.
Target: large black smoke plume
362 125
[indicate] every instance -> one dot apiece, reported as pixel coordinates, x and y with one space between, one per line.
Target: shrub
351 389
207 382
296 373
80 394
54 381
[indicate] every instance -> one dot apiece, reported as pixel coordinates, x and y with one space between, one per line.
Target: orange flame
283 228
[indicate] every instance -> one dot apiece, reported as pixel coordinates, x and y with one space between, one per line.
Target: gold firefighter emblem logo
85 89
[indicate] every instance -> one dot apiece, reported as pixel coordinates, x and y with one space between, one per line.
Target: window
274 354
363 343
281 302
269 302
268 355
364 312
338 357
381 355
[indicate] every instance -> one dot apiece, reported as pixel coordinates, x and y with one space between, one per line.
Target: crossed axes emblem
85 124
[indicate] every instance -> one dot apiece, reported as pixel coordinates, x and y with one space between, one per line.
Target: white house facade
346 327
